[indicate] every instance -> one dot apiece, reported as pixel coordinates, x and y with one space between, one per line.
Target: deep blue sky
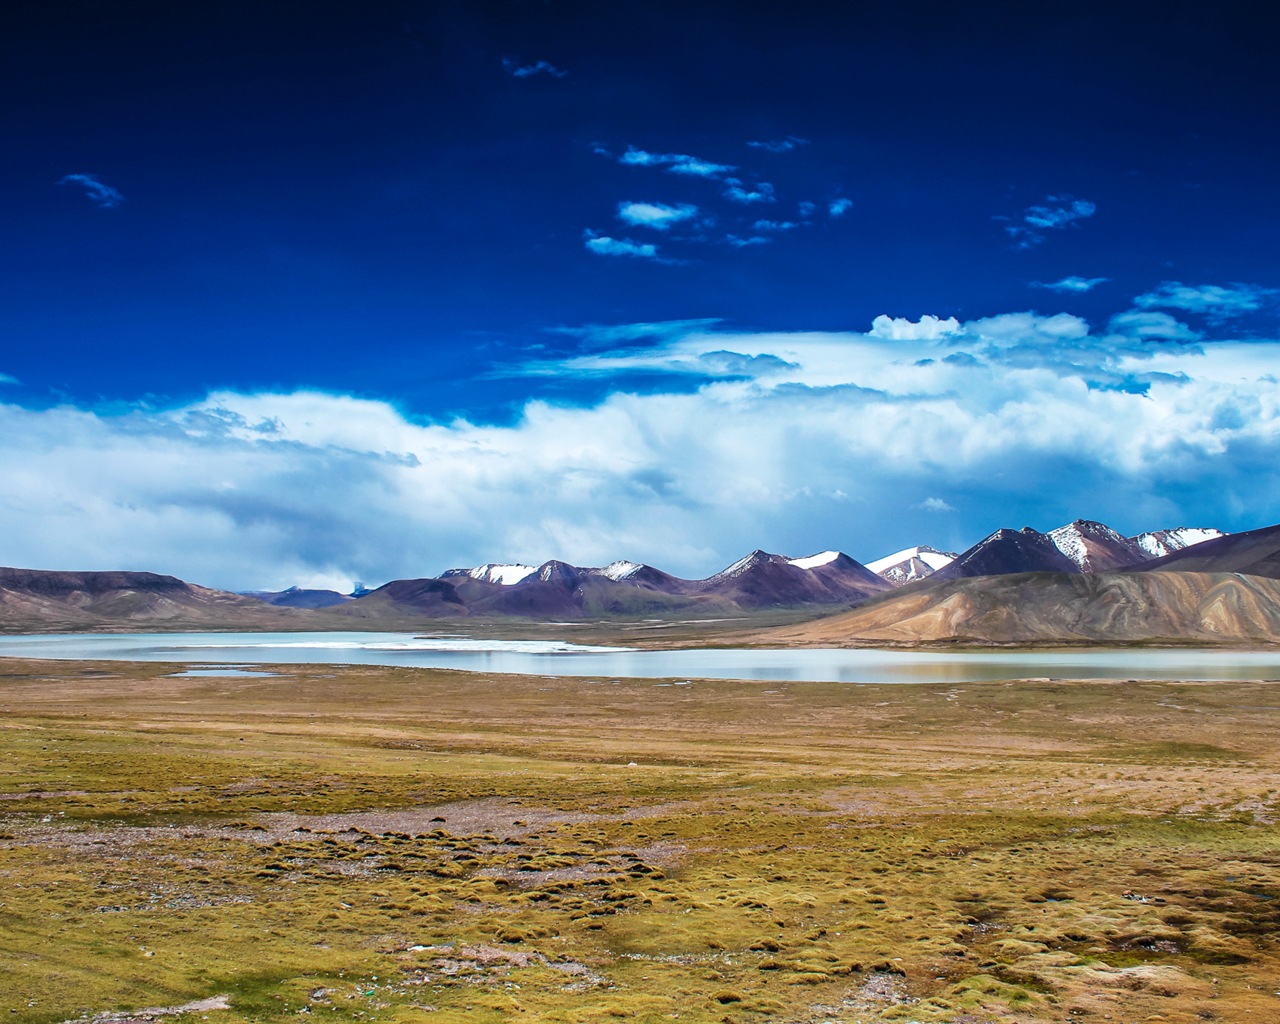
421 204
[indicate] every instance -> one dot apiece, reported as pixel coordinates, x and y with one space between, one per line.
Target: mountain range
1078 583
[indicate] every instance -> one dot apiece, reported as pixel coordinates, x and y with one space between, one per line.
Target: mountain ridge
823 584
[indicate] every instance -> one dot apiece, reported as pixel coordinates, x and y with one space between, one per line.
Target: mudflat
350 843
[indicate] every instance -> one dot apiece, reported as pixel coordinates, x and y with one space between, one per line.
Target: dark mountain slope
1256 553
1008 551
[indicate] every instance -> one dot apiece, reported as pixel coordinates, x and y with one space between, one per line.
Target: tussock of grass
409 845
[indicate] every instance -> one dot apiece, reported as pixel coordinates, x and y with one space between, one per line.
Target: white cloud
603 245
96 191
1215 302
675 163
927 328
1151 327
541 67
762 193
839 207
774 225
1055 214
1073 285
655 215
1060 215
780 145
794 441
806 208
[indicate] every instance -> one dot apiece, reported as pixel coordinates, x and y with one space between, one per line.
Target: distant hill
297 597
1049 608
42 599
557 590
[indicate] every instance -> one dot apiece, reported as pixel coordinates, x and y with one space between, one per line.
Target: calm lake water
217 652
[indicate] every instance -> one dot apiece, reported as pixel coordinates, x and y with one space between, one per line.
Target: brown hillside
1050 608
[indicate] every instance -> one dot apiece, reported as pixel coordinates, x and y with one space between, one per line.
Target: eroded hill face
1061 608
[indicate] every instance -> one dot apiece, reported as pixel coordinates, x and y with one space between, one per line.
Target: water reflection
536 657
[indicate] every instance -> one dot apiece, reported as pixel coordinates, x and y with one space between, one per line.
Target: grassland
411 845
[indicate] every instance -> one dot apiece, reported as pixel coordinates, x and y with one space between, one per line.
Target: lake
219 652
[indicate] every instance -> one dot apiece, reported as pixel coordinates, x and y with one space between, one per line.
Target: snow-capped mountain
762 579
1094 547
911 564
1082 546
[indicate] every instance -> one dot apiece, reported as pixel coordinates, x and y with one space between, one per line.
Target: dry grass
413 845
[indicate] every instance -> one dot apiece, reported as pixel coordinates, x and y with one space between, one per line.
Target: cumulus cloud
540 67
603 245
927 328
1054 214
98 192
774 225
655 215
839 207
1073 285
674 163
780 145
1215 302
794 441
762 193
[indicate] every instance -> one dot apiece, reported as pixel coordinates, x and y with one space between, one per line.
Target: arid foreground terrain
409 845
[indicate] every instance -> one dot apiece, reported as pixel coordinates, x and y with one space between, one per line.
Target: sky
316 292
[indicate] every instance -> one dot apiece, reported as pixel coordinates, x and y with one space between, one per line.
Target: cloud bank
795 441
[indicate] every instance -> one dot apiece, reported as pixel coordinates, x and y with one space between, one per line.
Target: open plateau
372 842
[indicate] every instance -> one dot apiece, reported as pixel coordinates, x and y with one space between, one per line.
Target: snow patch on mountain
756 557
620 570
931 557
910 564
507 575
1166 542
813 561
